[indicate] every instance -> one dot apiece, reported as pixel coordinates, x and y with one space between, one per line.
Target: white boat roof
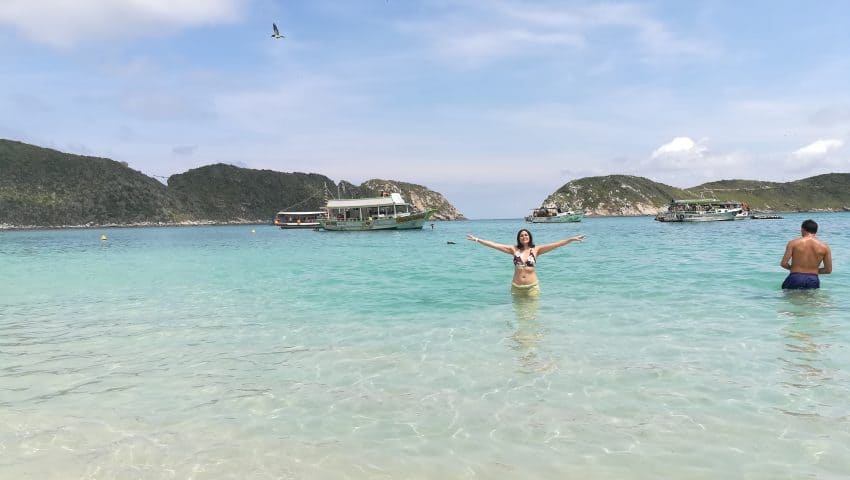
698 200
283 212
393 199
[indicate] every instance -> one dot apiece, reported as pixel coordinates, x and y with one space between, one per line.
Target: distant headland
45 188
630 195
41 187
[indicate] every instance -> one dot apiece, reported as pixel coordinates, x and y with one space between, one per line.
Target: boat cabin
362 209
703 210
311 219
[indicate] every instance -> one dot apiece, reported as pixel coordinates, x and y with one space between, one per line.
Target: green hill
822 192
630 195
44 187
615 195
47 188
226 193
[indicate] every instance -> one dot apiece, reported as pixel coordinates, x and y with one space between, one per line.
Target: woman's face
524 238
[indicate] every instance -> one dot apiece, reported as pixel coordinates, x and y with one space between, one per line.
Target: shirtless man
803 257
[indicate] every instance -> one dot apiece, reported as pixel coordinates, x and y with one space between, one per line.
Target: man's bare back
804 256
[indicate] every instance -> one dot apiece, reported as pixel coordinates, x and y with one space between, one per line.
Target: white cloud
817 157
490 44
819 148
681 147
493 30
64 24
683 162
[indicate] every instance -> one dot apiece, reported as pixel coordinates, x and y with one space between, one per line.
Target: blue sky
493 103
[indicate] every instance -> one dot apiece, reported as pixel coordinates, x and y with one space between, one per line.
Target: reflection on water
528 334
804 348
525 307
807 342
804 303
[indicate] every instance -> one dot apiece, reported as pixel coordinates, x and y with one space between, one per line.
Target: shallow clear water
655 351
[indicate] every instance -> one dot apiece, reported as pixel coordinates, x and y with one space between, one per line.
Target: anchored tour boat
298 219
553 214
703 210
387 212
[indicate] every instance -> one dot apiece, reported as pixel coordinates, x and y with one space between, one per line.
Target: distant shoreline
201 223
198 223
754 212
210 223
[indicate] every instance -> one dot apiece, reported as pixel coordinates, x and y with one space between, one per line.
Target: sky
493 103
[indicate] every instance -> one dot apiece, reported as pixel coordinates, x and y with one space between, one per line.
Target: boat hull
402 222
694 217
288 219
287 226
703 210
556 219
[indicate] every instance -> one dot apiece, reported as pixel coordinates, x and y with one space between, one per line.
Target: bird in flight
276 33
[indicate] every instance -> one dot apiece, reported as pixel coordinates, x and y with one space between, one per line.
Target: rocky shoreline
193 223
197 223
649 212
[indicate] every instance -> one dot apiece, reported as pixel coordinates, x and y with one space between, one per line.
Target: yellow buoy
253 231
103 237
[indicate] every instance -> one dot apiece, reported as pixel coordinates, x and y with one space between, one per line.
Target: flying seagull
276 33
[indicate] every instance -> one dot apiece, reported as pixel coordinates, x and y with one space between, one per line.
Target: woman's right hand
471 237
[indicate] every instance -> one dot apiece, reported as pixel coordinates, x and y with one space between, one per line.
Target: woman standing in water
525 255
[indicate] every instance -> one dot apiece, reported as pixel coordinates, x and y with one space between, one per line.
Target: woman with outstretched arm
525 255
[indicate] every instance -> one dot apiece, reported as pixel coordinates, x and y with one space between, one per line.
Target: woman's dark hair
530 239
810 226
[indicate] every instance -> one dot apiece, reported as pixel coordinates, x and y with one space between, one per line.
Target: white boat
701 210
742 210
553 214
387 212
286 220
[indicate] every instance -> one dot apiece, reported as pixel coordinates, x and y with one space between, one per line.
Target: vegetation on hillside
40 186
823 192
44 187
224 192
630 195
615 195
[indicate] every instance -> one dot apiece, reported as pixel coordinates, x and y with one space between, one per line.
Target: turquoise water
655 351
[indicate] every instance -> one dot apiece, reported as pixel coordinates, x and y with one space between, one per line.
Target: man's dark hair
810 226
